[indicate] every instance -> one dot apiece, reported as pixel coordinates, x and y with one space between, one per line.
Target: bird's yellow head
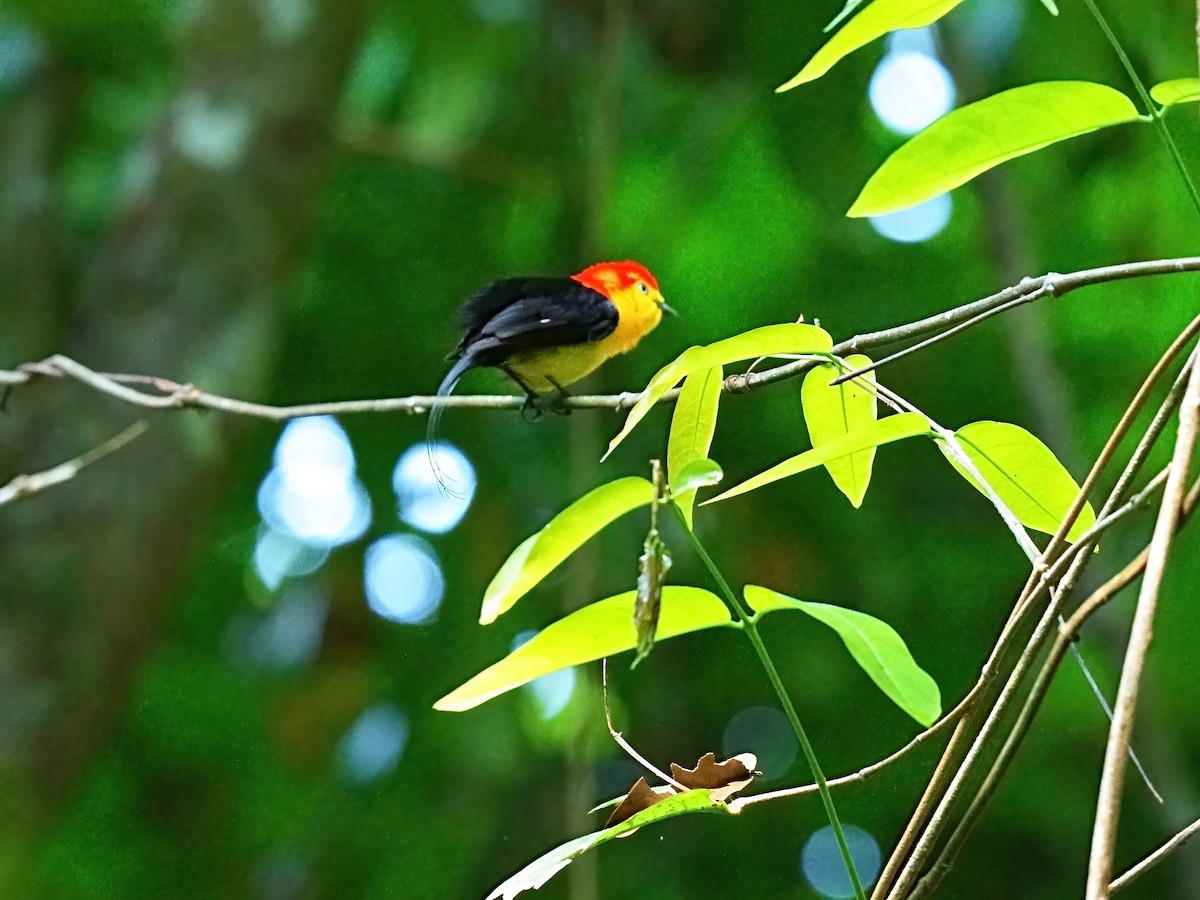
634 291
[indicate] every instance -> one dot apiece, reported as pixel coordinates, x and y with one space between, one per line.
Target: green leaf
851 6
545 867
540 553
893 428
603 628
976 137
1024 473
770 340
697 474
875 646
832 412
1051 6
692 426
1177 90
873 22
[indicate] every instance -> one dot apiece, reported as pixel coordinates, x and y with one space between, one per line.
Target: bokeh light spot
374 744
212 133
279 555
312 492
823 867
916 224
765 732
424 502
910 90
287 637
402 579
551 691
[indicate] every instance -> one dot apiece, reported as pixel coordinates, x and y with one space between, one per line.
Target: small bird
547 333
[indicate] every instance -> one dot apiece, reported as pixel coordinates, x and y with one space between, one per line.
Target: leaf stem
750 626
1151 107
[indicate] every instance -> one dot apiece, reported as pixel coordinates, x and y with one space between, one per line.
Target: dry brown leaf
641 796
724 779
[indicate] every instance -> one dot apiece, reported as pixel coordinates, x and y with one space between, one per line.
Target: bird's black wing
518 314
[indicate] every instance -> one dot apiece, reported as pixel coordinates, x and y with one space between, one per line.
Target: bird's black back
516 314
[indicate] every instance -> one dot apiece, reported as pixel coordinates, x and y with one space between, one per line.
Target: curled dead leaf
723 779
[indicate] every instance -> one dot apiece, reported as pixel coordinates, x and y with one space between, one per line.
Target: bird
546 333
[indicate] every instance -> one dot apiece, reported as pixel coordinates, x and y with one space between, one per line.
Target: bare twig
1039 581
1154 858
24 485
624 744
1113 774
168 394
1064 640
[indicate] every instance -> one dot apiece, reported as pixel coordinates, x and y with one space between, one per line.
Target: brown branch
1034 588
1063 642
1154 858
1113 775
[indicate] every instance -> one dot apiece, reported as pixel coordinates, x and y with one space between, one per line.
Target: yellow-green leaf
834 411
893 428
875 646
976 137
873 22
539 554
599 629
770 340
1024 473
546 866
1177 90
692 426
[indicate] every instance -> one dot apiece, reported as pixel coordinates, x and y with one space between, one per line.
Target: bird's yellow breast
547 369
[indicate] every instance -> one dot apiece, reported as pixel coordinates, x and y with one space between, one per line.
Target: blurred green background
219 648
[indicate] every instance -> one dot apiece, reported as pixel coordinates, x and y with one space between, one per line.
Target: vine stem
750 626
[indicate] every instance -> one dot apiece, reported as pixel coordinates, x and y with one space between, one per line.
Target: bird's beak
668 310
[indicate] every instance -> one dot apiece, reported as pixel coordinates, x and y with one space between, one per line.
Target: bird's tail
435 417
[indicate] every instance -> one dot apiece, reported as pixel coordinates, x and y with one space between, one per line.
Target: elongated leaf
604 628
973 139
1051 6
770 340
1024 473
893 428
873 22
834 411
539 554
545 867
692 426
1177 90
875 646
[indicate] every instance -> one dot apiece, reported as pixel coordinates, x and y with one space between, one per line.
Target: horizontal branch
168 394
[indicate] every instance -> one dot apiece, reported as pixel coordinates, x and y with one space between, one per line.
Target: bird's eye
641 286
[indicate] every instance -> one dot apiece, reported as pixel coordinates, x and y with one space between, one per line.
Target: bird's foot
536 405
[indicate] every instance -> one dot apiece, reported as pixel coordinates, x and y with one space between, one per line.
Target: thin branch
1113 775
1154 858
24 485
866 772
168 394
1037 584
624 744
1063 641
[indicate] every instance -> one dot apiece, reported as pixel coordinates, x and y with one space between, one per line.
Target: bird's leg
556 404
530 410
